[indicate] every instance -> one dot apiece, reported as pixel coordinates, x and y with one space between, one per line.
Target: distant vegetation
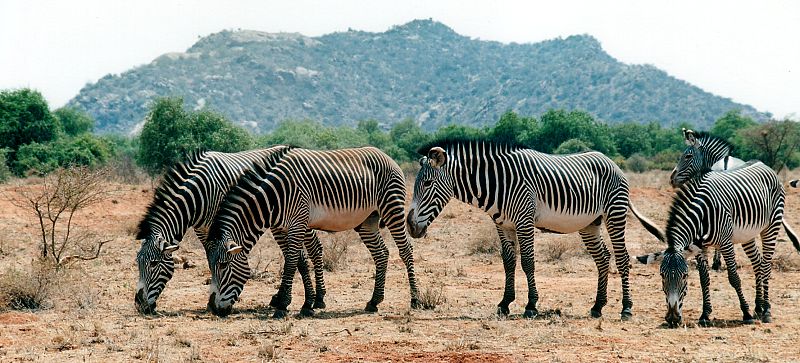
36 140
422 71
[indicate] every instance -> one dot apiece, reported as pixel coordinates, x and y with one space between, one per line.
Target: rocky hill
421 70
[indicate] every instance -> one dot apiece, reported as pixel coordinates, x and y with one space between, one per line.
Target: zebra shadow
715 323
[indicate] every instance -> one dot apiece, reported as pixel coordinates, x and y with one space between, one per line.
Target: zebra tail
792 235
648 224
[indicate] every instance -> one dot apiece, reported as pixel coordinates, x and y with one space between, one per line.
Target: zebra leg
768 246
314 250
751 249
593 240
292 253
717 264
507 240
371 236
736 283
705 282
406 250
526 255
302 267
615 224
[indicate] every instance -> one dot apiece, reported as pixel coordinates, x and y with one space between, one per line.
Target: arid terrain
91 316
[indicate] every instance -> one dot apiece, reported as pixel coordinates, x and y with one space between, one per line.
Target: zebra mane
258 172
448 142
162 193
680 202
708 139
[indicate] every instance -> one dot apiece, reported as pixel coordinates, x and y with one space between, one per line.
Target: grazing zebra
358 189
521 189
718 210
703 153
189 197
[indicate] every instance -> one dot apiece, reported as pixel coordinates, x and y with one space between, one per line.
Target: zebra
718 210
703 153
189 196
521 189
361 189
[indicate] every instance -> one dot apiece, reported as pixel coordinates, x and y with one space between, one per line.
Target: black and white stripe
189 197
718 210
358 189
522 189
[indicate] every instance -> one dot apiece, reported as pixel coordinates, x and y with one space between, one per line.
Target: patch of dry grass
334 252
28 289
484 241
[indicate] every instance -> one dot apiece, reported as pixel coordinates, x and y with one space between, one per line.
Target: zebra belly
335 220
562 222
746 233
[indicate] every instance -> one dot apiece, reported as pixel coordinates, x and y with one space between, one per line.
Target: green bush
637 163
85 149
170 132
572 146
5 172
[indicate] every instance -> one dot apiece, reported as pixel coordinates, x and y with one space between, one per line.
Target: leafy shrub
637 163
572 146
5 172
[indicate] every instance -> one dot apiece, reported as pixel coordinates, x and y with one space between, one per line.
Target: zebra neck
473 174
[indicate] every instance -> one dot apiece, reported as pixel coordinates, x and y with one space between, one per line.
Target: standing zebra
718 210
522 189
189 197
704 153
358 189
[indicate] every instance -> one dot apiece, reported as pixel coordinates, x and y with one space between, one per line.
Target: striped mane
455 142
707 139
173 176
680 202
254 175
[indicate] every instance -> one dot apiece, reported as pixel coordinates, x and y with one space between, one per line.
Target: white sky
746 50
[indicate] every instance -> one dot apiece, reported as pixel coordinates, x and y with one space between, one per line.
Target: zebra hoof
415 304
766 317
280 314
306 313
597 313
371 308
319 304
626 314
503 311
275 301
705 322
748 319
530 314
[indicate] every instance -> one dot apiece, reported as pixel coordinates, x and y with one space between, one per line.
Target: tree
408 137
24 118
729 124
511 128
571 146
458 132
54 202
170 132
775 143
631 138
73 121
557 126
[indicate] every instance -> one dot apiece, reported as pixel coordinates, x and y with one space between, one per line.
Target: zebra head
701 153
674 279
229 272
155 269
433 188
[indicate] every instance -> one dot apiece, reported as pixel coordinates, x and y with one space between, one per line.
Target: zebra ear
233 248
169 249
691 251
650 258
437 157
691 138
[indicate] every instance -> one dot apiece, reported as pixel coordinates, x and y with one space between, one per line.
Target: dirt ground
93 318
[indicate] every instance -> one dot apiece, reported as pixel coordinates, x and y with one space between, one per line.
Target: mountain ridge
421 70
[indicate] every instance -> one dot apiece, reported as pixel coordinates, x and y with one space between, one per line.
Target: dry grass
485 241
556 250
431 297
786 261
28 289
334 252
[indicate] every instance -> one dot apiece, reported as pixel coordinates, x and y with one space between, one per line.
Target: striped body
328 190
522 189
189 197
718 210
